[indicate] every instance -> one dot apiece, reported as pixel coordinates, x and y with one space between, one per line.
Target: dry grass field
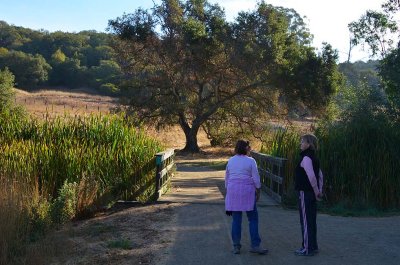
76 102
64 102
80 102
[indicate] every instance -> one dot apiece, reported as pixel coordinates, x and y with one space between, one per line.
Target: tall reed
54 170
359 158
284 142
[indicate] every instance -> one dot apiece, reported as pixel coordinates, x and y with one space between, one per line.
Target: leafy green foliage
64 207
389 71
108 89
373 29
6 89
58 58
29 70
360 73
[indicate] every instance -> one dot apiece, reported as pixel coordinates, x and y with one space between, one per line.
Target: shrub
64 207
109 89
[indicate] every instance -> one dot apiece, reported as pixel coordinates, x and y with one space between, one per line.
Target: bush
6 89
109 89
40 219
64 207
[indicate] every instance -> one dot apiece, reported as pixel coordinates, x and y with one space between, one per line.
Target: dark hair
241 147
311 140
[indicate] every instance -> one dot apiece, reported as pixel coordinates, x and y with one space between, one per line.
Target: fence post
159 168
272 173
282 174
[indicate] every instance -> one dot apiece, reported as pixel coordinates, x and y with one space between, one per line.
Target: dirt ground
126 234
188 226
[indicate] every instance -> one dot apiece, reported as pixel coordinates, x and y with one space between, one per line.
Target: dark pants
252 217
308 219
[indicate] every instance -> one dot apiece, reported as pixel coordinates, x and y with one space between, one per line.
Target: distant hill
360 72
40 58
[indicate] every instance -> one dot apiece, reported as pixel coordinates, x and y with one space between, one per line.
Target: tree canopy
185 64
59 58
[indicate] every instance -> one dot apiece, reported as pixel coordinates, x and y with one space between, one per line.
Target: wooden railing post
164 165
272 173
159 167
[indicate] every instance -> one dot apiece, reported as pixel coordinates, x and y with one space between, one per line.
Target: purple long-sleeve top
306 163
241 180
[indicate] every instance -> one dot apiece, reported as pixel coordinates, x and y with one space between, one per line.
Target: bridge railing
272 173
165 166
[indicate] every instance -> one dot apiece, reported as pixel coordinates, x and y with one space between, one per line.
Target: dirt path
201 231
189 226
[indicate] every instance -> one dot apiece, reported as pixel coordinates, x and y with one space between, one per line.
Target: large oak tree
184 63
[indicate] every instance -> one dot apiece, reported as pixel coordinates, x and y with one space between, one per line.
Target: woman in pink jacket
242 183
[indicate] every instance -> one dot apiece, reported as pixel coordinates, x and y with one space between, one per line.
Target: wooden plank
269 175
276 160
271 193
160 157
166 169
275 178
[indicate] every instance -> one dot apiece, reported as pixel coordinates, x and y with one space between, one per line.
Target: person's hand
228 213
257 194
319 196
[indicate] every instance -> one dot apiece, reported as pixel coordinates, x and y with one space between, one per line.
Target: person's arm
226 177
255 175
256 178
306 163
321 181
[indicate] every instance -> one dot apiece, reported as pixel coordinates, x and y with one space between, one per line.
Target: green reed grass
284 142
68 167
359 159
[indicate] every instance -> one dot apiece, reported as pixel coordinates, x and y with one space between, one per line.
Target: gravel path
201 230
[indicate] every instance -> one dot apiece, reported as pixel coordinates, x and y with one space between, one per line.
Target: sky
327 19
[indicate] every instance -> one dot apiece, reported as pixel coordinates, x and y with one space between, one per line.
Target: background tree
6 89
184 63
375 33
359 73
389 71
71 56
374 29
29 70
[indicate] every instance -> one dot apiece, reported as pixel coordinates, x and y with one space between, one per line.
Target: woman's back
240 167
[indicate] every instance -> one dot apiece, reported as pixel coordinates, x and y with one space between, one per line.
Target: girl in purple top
309 182
242 183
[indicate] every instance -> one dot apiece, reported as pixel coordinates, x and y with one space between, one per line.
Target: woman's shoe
236 250
259 250
303 252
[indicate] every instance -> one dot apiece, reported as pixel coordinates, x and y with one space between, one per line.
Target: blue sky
327 19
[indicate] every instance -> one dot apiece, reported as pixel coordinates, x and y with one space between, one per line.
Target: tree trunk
191 141
191 135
